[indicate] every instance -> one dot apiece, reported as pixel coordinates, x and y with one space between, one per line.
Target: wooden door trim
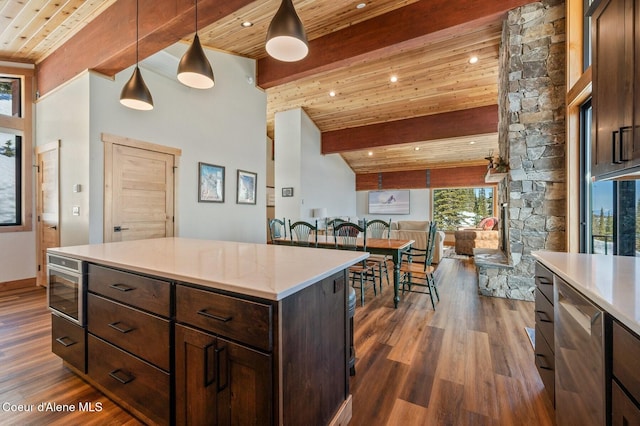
55 145
109 141
134 143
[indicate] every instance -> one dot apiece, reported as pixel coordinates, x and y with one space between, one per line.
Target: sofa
486 235
417 230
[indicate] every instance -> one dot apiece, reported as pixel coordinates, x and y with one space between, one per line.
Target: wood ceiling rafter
418 129
162 23
405 28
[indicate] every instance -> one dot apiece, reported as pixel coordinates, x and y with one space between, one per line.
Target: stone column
532 141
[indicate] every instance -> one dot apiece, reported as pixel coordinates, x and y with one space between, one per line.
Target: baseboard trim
18 284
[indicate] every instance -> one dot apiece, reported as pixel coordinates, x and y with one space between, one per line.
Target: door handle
119 228
52 227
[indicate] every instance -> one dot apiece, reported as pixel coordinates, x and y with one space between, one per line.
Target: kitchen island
193 331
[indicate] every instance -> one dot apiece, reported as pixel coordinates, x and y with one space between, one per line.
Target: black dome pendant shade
194 69
286 38
135 94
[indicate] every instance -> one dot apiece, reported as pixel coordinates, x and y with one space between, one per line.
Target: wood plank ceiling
433 72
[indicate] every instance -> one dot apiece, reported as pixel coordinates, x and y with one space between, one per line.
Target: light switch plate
76 210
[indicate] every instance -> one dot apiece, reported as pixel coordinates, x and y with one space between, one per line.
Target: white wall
64 115
318 180
420 206
225 125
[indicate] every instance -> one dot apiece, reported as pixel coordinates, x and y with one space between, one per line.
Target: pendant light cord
137 35
196 17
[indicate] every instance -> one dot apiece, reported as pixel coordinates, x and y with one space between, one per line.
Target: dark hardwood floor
467 363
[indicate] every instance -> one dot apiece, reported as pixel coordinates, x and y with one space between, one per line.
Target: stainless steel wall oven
65 289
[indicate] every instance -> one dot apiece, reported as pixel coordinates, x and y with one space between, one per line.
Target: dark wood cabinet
625 383
544 341
129 340
68 341
182 353
219 382
616 97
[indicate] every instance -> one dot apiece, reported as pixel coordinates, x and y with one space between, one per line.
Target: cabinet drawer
68 341
545 363
544 318
143 292
626 353
136 383
142 334
624 411
243 320
544 281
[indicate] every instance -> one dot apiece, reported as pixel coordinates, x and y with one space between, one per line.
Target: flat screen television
392 201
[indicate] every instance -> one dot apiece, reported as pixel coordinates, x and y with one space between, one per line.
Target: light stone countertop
268 271
611 282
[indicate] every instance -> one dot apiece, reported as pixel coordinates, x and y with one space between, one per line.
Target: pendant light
194 70
135 94
286 38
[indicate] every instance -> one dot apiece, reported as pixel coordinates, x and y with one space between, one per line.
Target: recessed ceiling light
473 59
247 24
472 142
370 153
417 148
332 93
360 5
393 78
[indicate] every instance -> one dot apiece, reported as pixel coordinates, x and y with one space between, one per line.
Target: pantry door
139 189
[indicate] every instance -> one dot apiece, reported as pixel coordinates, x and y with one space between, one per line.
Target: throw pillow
488 223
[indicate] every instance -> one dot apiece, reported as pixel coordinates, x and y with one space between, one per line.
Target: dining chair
303 233
328 226
417 270
277 229
346 236
378 228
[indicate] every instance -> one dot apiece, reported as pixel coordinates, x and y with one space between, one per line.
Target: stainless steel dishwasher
579 357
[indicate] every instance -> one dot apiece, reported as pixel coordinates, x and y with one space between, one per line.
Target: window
10 100
10 179
16 85
462 207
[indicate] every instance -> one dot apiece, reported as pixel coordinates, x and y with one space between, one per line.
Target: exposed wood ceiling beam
108 44
402 29
453 124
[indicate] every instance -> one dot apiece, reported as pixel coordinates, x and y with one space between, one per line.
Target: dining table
385 246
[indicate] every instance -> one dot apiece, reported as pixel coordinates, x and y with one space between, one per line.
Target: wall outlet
76 210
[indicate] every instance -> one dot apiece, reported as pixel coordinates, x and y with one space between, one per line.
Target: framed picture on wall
246 187
287 192
395 201
210 183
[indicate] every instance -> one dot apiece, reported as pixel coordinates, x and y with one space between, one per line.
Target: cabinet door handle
206 314
66 341
122 287
614 157
209 365
222 365
543 280
123 330
543 358
545 318
121 376
621 149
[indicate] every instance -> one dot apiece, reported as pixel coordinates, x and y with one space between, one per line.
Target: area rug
532 336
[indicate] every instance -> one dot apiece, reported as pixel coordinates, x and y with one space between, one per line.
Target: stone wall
532 141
